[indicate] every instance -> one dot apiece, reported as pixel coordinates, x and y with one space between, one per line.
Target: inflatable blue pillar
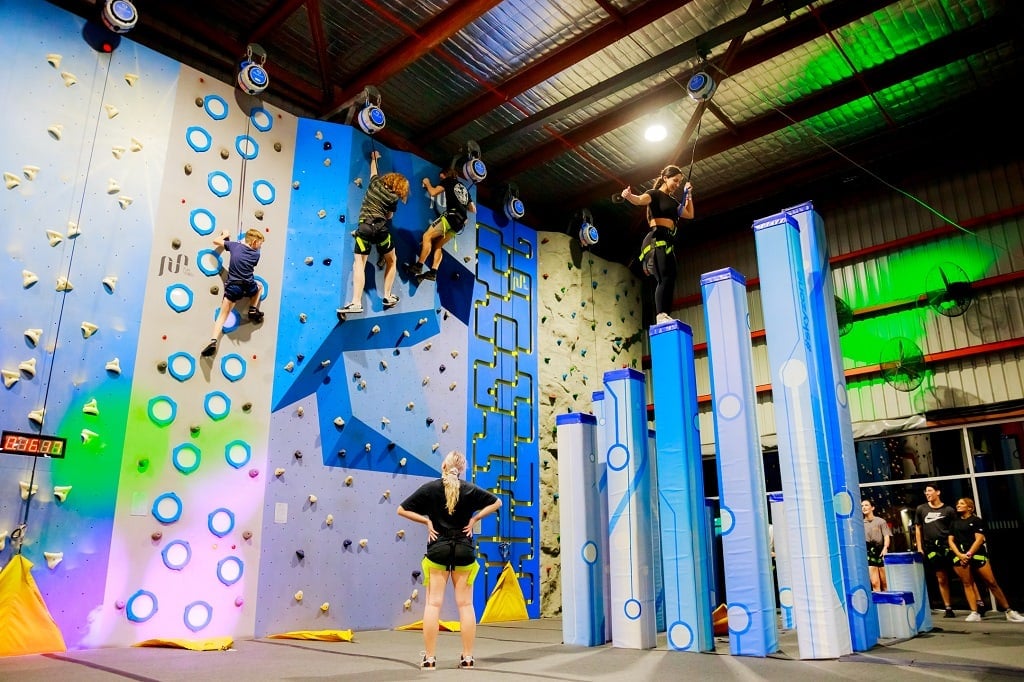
684 529
601 450
753 630
630 521
783 572
819 596
580 528
835 411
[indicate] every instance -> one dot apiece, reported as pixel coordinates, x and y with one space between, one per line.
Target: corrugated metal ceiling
559 92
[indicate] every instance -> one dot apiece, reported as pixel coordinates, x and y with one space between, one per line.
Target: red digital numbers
31 444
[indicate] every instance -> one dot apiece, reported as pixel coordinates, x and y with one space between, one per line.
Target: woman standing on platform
967 540
876 533
663 213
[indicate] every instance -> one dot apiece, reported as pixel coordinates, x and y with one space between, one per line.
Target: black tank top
662 205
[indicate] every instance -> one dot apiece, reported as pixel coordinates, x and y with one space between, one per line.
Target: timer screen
16 442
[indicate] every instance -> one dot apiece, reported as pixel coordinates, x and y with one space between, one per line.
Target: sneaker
466 661
390 301
351 308
981 609
975 617
663 318
414 269
211 348
428 663
1014 617
255 315
430 274
949 614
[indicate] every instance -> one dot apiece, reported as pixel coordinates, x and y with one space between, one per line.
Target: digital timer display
16 442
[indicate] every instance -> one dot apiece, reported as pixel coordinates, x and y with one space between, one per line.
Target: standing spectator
458 206
449 507
379 205
241 282
876 532
932 522
967 540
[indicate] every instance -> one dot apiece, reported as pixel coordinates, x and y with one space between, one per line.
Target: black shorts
236 291
451 552
373 233
937 555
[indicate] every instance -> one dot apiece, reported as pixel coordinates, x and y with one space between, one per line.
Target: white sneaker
662 318
975 617
1014 617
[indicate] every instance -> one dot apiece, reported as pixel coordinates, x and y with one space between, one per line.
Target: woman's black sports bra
662 206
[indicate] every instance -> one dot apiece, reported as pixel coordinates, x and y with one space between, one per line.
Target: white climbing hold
63 284
61 492
321 214
407 604
69 78
325 363
415 594
383 364
290 367
410 406
124 202
362 385
312 499
428 346
53 558
405 333
400 534
118 151
339 422
298 596
327 162
387 495
53 59
113 186
309 260
367 447
36 416
10 377
3 540
348 480
402 462
434 447
28 367
56 130
364 542
88 436
279 472
114 366
426 380
423 320
11 180
444 428
375 329
28 278
110 283
329 520
88 329
451 386
300 410
26 491
54 237
73 229
318 135
455 353
91 408
384 421
136 145
131 78
30 172
325 607
111 110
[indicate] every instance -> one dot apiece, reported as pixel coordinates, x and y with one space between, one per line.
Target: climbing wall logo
174 265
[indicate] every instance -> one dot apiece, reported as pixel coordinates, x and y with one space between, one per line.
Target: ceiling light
655 133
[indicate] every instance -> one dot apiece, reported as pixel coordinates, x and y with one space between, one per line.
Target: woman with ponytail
449 507
663 213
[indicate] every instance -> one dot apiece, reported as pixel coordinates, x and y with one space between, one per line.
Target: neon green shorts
472 569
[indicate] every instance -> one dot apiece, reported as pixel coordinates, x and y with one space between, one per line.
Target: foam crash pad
212 644
319 635
28 627
506 601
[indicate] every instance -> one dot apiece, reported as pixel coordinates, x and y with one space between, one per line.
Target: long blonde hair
452 468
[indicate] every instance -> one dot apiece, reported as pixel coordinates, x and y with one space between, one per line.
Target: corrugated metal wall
988 201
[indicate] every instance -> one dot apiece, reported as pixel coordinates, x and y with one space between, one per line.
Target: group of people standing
950 540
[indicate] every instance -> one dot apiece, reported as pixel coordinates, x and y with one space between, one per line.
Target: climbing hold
375 329
111 110
348 480
384 421
346 544
442 368
53 558
427 346
325 363
444 428
224 153
342 452
10 377
290 366
131 78
407 604
451 386
367 447
87 436
156 535
114 366
416 575
339 422
109 283
28 278
430 420
297 454
402 462
329 520
364 542
26 491
321 214
298 596
302 318
36 416
277 146
295 184
119 604
434 447
11 180
421 321
63 284
91 408
383 364
124 202
215 290
300 411
415 594
279 472
426 380
73 229
253 473
326 261
300 554
53 59
325 607
113 186
357 375
455 353
362 385
410 406
239 601
246 407
136 145
28 367
142 465
386 495
56 131
175 243
312 499
400 534
161 366
60 492
88 329
194 430
118 151
54 237
247 535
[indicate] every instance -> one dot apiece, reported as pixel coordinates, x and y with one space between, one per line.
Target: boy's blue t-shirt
243 261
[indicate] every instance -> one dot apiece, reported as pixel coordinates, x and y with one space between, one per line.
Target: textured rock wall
590 322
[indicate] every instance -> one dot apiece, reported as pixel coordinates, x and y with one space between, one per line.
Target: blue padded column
783 570
659 580
835 412
818 592
684 528
630 523
744 508
601 451
581 531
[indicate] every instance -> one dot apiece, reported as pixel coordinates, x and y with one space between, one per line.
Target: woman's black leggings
665 274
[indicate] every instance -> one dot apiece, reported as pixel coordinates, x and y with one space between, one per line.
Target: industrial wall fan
948 289
902 364
844 316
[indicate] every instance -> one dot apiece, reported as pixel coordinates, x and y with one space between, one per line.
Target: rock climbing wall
590 322
255 491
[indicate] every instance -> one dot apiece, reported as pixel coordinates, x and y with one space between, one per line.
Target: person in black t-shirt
967 541
932 521
449 507
457 207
